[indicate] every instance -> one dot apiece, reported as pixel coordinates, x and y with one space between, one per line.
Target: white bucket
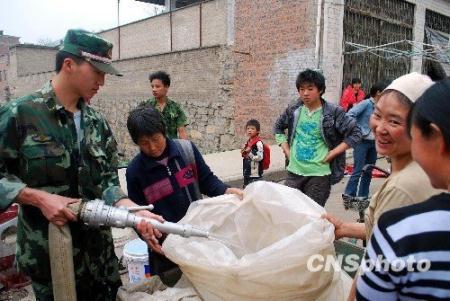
135 255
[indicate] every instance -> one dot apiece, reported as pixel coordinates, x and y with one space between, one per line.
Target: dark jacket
336 128
170 188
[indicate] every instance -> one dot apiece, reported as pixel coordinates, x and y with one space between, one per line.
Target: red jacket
350 98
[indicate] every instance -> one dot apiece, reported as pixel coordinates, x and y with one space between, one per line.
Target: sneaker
347 201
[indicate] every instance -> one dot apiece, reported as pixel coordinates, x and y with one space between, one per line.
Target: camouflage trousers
86 291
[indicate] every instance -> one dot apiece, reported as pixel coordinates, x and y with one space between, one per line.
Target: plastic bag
260 247
152 289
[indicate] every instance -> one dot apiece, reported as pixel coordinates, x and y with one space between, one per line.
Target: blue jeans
363 153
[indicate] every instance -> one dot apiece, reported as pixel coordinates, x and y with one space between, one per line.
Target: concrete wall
330 52
273 42
196 26
31 60
440 6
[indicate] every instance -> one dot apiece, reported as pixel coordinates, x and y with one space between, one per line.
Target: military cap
93 48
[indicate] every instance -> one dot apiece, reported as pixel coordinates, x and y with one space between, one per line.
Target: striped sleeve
408 257
375 282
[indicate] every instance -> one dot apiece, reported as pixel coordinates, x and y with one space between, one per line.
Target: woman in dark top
163 175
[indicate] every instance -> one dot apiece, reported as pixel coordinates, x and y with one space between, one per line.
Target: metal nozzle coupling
96 214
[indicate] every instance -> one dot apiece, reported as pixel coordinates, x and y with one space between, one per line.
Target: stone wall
202 82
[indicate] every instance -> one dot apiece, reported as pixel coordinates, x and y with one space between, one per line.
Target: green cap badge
93 48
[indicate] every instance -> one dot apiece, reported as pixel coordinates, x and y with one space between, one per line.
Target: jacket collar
253 140
326 109
53 104
49 95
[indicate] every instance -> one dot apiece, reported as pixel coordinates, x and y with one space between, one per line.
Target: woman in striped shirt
408 257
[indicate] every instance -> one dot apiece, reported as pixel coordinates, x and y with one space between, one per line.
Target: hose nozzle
96 214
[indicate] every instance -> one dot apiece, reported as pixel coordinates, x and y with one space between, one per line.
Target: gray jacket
336 128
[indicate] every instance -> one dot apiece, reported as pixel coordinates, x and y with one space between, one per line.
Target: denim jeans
363 153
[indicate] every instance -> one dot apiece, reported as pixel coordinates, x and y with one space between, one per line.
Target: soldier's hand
55 209
53 206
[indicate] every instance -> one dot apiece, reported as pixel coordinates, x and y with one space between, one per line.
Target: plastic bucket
135 255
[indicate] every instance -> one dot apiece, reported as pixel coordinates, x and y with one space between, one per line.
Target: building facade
231 60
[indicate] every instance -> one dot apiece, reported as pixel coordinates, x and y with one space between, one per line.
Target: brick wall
274 40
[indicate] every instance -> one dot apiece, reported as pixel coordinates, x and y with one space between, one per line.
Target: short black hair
162 76
62 55
432 107
253 122
313 77
378 87
145 121
356 80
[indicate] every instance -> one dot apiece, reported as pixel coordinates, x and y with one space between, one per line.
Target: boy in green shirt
319 132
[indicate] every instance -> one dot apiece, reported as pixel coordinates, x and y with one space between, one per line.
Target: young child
319 132
252 153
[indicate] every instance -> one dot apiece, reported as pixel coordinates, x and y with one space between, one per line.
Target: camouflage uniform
172 114
39 149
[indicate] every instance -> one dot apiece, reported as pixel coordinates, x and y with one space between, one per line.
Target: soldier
172 113
55 150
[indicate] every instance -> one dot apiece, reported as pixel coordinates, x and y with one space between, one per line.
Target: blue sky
38 20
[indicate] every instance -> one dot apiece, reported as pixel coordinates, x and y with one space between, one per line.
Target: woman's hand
149 233
338 225
236 191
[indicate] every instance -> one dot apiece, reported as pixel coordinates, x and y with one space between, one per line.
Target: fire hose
97 214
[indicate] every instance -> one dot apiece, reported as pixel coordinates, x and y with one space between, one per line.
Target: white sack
268 238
